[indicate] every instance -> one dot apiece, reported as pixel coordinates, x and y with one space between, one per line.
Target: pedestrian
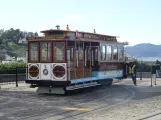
132 72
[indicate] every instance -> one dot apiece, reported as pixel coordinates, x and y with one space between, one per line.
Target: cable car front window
34 48
59 53
45 51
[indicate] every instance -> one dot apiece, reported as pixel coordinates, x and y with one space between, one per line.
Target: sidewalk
22 86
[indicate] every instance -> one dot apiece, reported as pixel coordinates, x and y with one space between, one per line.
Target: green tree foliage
1 40
14 35
9 40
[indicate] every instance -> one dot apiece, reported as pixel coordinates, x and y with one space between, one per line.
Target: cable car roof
52 30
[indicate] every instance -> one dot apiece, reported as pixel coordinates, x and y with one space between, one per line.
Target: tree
1 40
157 62
2 57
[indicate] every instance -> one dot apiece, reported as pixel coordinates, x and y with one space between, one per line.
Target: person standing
132 72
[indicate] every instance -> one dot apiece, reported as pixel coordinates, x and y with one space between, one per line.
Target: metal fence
15 75
143 75
12 75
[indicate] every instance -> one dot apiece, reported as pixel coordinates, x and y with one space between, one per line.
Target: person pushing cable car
132 72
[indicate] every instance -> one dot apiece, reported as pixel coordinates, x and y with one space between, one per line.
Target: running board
85 85
50 90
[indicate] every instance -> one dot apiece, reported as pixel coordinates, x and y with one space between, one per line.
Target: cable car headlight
45 72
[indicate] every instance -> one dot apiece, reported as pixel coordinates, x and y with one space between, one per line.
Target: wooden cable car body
67 60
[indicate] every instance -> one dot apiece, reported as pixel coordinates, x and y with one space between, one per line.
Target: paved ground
104 102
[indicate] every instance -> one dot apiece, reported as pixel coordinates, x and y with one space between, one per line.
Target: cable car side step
85 85
50 90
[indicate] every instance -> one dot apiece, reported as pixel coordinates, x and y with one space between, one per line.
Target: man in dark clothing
132 72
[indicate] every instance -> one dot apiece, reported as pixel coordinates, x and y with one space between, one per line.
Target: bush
10 68
12 65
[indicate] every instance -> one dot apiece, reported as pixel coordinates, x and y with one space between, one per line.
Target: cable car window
34 52
88 53
96 54
103 52
109 52
72 54
45 51
115 53
59 51
80 54
121 52
56 33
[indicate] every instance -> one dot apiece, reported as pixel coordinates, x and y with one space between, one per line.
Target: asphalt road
27 105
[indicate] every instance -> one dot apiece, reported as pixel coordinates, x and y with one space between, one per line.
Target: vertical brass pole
83 58
90 61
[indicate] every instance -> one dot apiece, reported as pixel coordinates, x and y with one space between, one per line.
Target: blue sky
135 21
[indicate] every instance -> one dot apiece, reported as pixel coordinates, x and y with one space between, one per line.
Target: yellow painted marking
52 118
79 109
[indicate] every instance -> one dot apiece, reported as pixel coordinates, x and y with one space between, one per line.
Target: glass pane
34 52
68 54
109 53
96 54
115 53
88 53
72 55
103 52
80 54
59 51
45 51
121 53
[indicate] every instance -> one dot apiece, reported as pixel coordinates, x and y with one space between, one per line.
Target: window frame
115 46
107 52
103 56
96 54
79 52
40 47
70 48
58 61
88 49
121 53
29 52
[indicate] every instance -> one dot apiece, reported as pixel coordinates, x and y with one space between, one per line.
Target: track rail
101 108
156 116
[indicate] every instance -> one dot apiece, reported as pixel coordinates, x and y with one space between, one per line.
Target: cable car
65 60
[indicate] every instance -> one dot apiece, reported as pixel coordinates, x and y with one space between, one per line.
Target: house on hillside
9 58
23 40
22 59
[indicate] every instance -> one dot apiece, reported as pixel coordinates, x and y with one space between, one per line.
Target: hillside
13 49
144 50
10 42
